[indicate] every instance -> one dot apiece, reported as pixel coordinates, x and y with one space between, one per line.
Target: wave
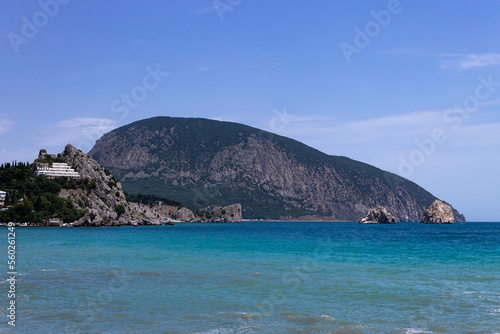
416 331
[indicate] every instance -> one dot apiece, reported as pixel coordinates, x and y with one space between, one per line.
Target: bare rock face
169 213
224 214
379 215
101 194
184 215
172 213
230 213
42 153
438 213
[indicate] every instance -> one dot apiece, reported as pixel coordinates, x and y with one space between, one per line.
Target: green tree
120 209
39 204
14 197
23 213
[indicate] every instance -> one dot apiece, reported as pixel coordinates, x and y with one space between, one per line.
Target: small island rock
438 213
379 215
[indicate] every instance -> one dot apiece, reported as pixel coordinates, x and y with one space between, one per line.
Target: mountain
203 162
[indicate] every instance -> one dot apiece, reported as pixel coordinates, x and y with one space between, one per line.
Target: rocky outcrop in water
378 215
438 213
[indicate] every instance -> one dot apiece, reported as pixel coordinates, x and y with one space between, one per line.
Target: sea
254 277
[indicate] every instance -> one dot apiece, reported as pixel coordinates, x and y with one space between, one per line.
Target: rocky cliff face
224 214
165 213
203 162
101 194
215 214
438 213
379 215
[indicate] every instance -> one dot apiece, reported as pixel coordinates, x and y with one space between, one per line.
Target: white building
58 169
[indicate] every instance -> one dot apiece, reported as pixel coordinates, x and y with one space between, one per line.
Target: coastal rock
184 215
100 194
164 213
458 216
233 213
153 215
378 215
438 213
224 214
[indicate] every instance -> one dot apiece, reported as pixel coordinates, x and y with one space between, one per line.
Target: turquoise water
257 278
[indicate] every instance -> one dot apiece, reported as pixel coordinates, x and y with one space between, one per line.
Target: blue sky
412 87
